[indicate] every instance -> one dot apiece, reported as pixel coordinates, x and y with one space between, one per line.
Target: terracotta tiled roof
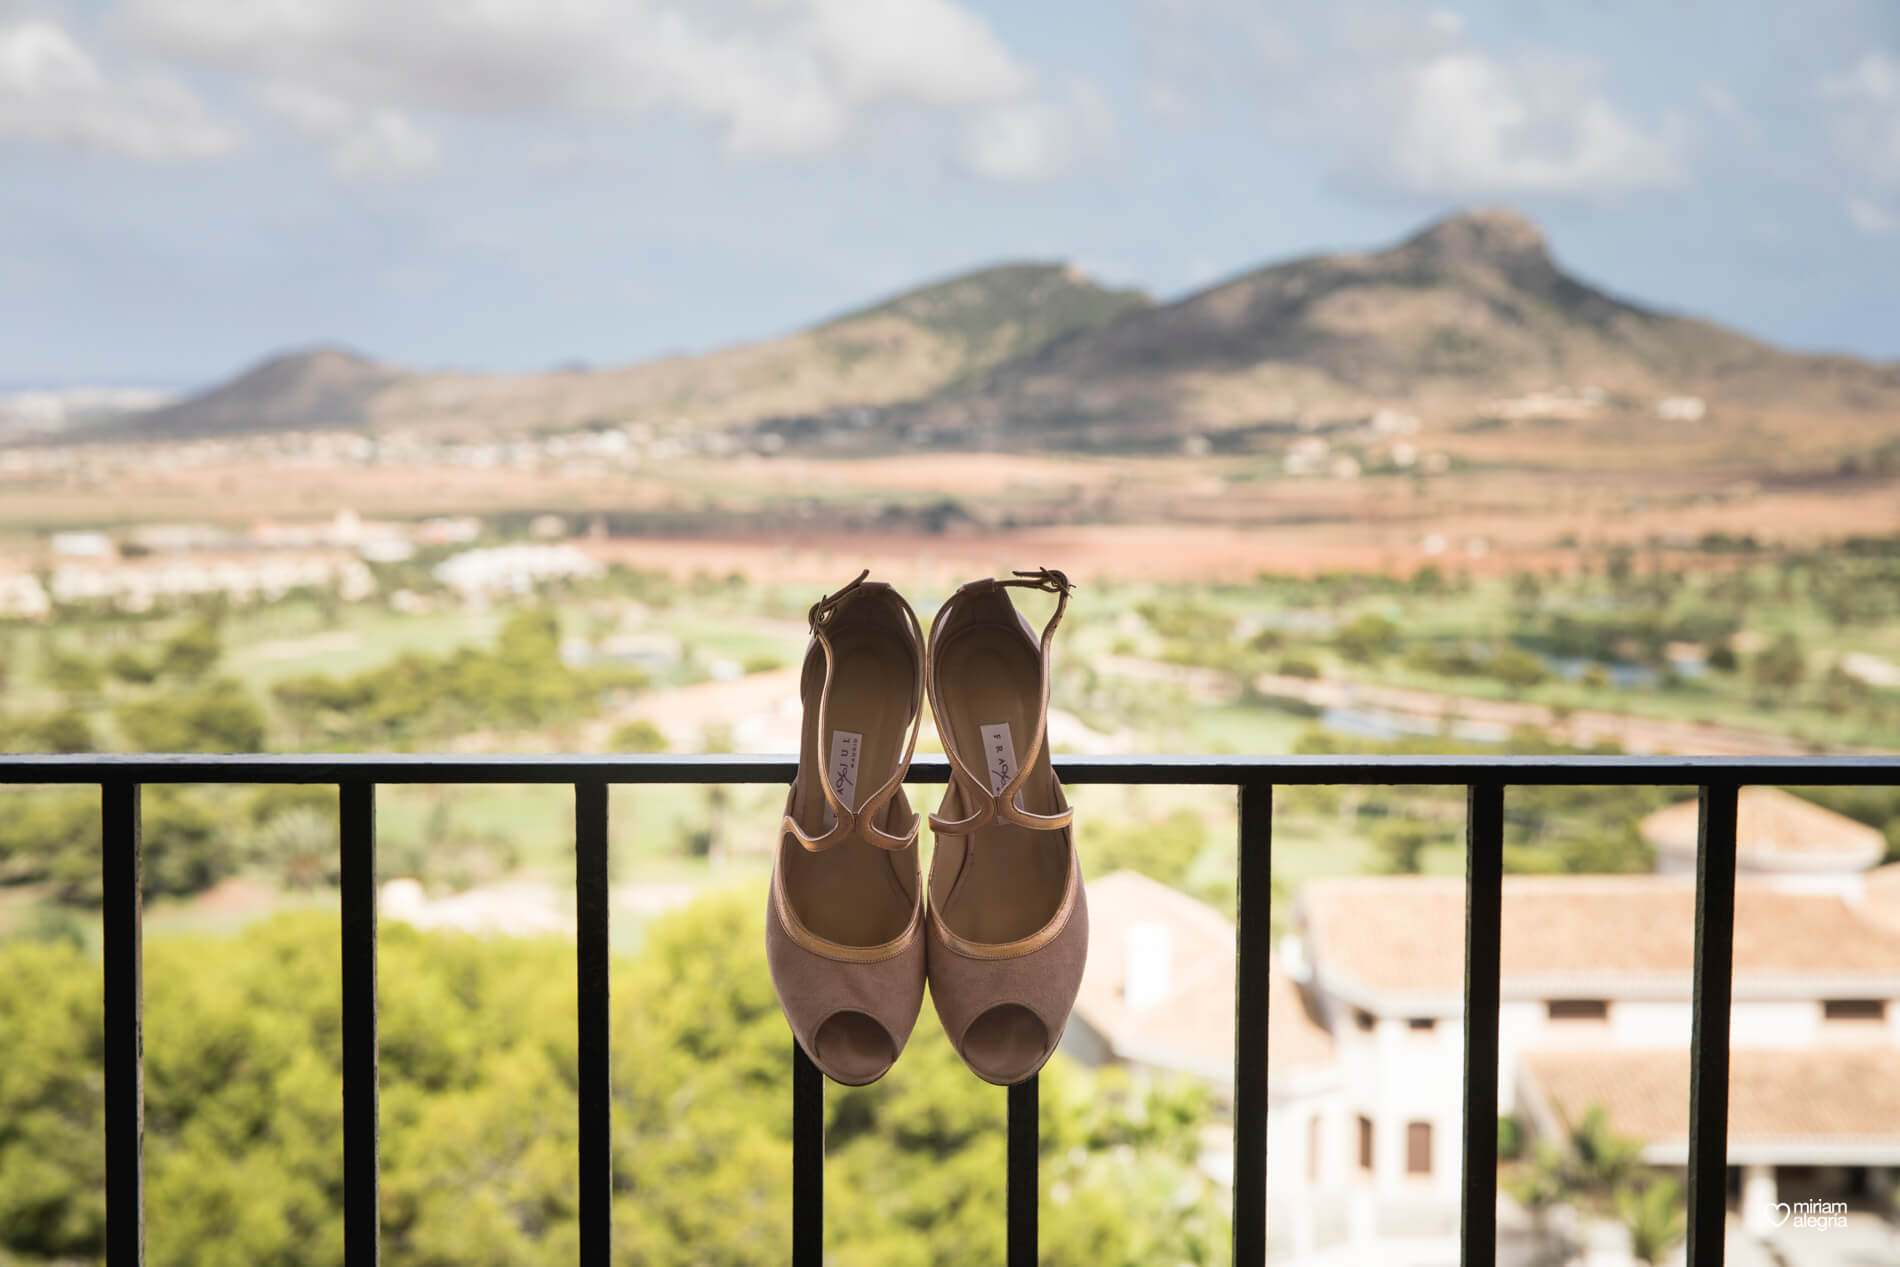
1771 824
1882 895
1774 1096
1192 1026
1296 1041
1404 935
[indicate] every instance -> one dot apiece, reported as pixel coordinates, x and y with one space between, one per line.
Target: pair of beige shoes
1001 929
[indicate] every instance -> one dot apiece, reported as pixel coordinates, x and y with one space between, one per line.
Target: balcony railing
1485 778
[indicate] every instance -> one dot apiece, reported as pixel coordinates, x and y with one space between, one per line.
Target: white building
513 569
139 585
1366 1043
23 597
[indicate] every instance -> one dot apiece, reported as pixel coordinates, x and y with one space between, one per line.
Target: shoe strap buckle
1049 580
821 610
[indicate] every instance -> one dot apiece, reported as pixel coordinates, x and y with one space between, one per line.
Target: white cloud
53 91
1865 126
1031 141
363 144
927 51
1469 125
784 78
1870 217
1399 97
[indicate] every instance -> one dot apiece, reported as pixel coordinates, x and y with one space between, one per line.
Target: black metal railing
1485 778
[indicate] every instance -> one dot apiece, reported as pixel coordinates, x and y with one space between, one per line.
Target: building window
1363 1019
1578 1009
1365 1142
1423 1024
1854 1009
1418 1148
1312 1147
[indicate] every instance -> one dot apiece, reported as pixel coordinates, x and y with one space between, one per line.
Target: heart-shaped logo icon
1782 1208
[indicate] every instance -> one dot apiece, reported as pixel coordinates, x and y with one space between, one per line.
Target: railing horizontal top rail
1219 770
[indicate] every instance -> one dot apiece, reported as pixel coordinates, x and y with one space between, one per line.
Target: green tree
133 669
1367 638
243 1140
1401 846
1780 665
191 653
48 834
216 717
1516 667
1167 849
73 676
1653 1213
1527 590
1539 1186
302 844
187 845
638 736
64 731
1601 1161
52 1168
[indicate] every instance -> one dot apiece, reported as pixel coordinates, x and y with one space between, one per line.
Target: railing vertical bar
808 1161
1253 942
362 1213
595 1033
1709 1035
1024 1199
123 918
1484 902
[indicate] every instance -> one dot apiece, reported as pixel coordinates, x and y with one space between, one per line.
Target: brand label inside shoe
999 753
842 770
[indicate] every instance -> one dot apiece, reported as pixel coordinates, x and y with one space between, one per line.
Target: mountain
323 387
995 314
1471 308
1444 324
903 348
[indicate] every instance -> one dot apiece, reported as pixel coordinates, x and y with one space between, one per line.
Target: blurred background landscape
1534 403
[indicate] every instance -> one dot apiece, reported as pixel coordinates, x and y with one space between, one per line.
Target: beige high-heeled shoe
844 926
1007 923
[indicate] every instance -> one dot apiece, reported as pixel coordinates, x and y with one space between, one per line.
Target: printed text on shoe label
999 754
842 769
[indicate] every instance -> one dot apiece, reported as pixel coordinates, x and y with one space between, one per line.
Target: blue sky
188 185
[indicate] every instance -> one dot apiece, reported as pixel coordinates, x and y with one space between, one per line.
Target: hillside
298 391
1471 308
1445 324
903 348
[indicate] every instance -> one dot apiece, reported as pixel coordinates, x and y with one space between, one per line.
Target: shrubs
64 731
522 683
1516 668
1779 666
1367 638
243 1145
637 736
217 717
1510 1138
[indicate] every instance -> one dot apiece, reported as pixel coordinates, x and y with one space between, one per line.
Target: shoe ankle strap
847 820
1006 806
821 611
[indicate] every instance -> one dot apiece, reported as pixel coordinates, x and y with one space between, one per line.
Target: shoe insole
854 893
1009 880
